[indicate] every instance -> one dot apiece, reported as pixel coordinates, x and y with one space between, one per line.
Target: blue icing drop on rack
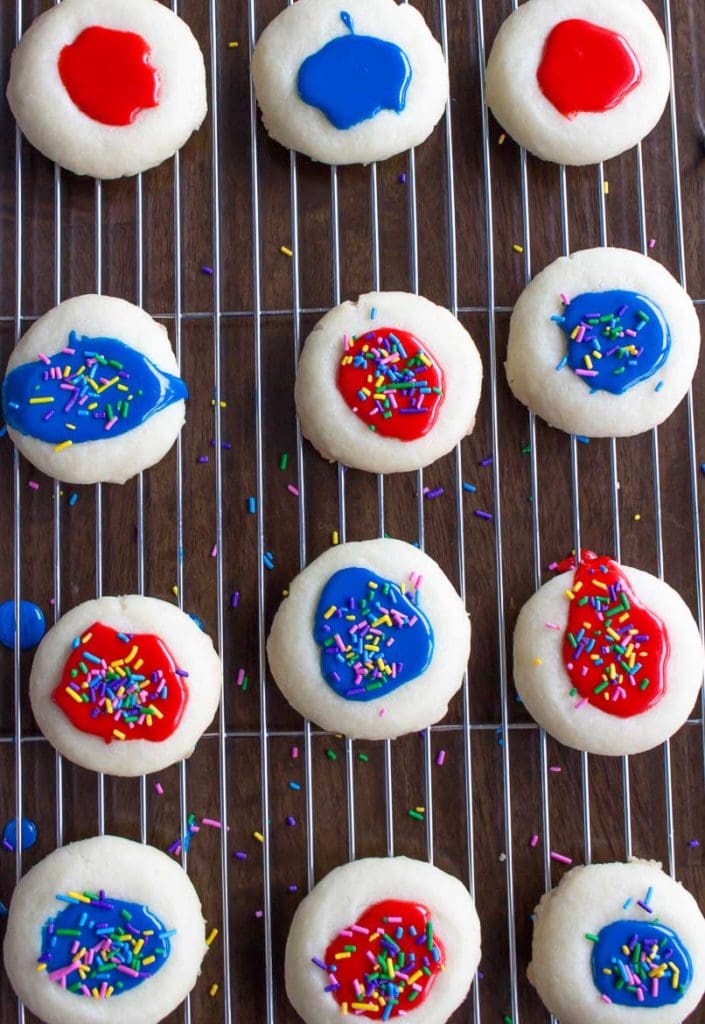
373 637
655 971
352 78
100 946
92 390
616 339
32 624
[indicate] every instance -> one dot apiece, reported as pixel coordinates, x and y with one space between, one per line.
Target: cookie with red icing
607 658
381 939
579 81
388 384
108 89
125 685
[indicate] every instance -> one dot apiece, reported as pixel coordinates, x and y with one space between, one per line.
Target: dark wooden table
229 203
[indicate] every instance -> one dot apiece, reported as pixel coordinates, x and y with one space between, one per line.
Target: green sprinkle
591 938
331 755
283 460
363 757
416 815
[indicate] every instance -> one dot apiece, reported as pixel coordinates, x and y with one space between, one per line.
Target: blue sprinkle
9 834
73 499
251 506
582 439
470 488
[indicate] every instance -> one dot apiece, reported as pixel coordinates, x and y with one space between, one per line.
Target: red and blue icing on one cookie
615 650
99 947
122 686
390 380
352 78
108 75
385 964
640 963
373 637
586 68
92 390
616 339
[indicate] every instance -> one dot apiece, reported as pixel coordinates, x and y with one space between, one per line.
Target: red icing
377 361
586 68
108 75
413 982
600 672
136 681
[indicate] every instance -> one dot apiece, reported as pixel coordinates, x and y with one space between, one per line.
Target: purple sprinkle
693 843
203 458
207 270
292 888
241 855
235 599
435 493
481 514
290 821
319 963
487 462
402 179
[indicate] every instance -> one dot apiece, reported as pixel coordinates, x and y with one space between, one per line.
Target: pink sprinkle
127 970
69 351
580 703
561 858
606 999
158 789
564 299
586 373
111 423
554 768
294 752
214 551
534 841
552 625
382 712
259 913
34 485
293 490
240 677
212 822
44 359
652 243
440 757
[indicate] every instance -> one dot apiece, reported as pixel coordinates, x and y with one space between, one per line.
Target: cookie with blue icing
614 943
349 82
105 929
603 343
372 640
92 392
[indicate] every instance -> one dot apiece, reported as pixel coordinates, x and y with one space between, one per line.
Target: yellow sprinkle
518 248
390 967
637 517
344 1008
330 613
155 711
108 705
258 836
285 251
40 967
64 444
570 595
212 937
588 362
538 661
148 960
578 586
40 401
131 655
420 810
72 693
596 354
363 1006
78 896
600 584
343 956
118 735
70 426
175 590
334 537
425 360
415 977
606 187
213 989
502 139
233 45
138 946
223 405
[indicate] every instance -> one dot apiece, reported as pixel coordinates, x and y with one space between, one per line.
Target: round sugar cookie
579 81
615 674
388 383
108 88
349 81
603 343
372 641
104 931
92 392
605 919
411 912
125 685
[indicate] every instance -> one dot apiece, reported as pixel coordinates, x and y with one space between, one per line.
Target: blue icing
373 637
352 78
32 624
114 938
628 331
94 389
621 977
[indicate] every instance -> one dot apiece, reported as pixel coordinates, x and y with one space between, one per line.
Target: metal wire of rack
238 765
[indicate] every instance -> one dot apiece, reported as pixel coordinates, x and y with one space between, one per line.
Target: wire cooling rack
466 220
